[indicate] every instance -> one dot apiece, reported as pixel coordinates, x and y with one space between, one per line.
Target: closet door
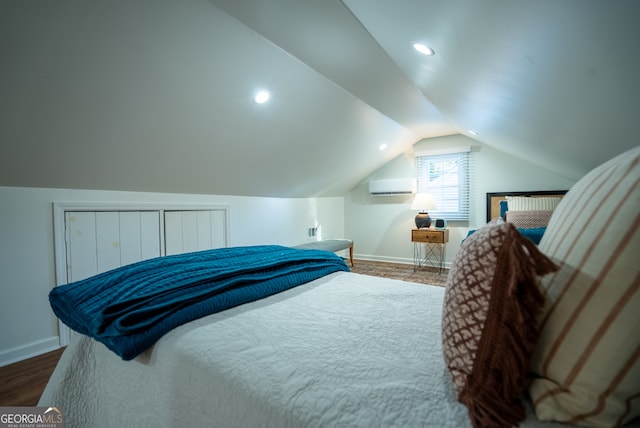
98 241
187 231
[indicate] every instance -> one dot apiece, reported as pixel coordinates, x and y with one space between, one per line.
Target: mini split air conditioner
392 187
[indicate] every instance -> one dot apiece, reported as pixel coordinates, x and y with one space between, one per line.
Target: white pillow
526 203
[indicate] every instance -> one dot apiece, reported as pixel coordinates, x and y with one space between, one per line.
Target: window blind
446 177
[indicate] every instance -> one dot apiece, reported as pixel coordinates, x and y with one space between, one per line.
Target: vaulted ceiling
155 95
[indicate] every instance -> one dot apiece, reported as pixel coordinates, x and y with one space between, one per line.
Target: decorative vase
423 220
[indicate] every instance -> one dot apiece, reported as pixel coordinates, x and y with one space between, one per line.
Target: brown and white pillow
529 219
488 321
588 357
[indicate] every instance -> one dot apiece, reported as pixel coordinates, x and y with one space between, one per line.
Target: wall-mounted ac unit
399 186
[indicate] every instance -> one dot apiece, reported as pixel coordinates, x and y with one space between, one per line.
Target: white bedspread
346 350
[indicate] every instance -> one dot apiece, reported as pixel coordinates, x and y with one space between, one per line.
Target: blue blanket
131 307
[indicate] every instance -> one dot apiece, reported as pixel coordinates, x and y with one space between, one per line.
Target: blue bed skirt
131 307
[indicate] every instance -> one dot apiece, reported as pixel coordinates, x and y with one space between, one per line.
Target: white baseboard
33 349
401 260
370 258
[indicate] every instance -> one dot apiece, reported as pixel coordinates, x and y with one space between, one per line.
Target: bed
350 350
343 350
497 204
532 213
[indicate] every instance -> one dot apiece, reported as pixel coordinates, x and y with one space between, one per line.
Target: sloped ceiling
554 82
152 95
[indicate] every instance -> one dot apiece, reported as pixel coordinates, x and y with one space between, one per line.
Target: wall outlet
312 232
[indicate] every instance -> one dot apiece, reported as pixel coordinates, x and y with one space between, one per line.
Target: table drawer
431 236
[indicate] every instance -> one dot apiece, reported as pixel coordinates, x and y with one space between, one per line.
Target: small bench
332 245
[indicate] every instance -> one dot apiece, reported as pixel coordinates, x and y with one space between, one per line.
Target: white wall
27 247
381 225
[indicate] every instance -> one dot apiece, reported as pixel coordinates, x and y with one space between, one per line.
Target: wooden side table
434 244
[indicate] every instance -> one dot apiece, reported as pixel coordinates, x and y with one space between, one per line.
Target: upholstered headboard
494 198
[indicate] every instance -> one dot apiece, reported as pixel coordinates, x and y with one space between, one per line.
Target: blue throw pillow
534 234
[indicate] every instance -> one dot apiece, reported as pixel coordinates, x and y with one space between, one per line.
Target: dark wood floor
22 383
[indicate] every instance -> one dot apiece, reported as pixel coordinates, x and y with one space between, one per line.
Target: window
446 177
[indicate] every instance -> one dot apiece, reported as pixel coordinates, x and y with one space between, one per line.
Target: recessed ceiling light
472 132
383 146
262 97
423 49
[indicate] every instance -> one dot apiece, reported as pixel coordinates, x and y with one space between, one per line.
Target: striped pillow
587 361
528 203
